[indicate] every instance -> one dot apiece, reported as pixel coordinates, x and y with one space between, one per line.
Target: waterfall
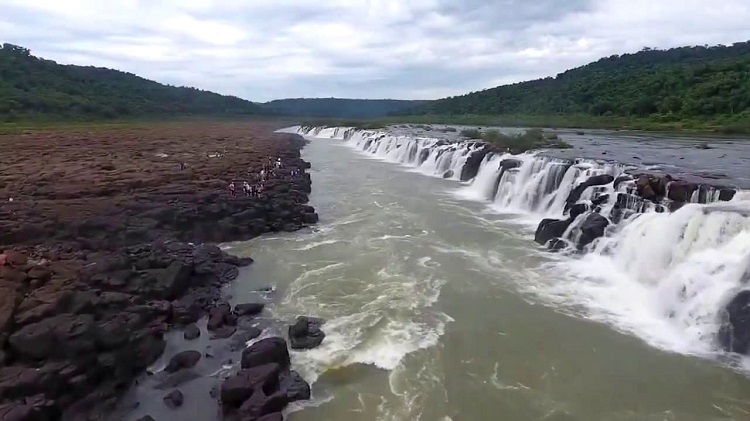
660 266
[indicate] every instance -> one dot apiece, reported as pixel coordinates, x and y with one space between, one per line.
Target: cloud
413 49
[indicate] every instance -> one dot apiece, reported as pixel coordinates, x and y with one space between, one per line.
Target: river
439 305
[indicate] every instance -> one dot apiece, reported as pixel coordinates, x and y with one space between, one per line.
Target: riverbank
97 262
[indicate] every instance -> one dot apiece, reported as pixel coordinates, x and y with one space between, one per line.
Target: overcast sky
409 49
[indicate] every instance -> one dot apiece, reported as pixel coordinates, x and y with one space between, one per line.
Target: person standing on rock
246 188
232 192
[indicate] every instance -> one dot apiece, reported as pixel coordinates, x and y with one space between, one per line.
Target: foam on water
664 277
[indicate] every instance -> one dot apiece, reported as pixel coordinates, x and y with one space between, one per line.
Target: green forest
32 88
339 107
688 87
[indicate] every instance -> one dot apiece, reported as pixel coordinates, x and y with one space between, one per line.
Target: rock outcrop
264 386
101 254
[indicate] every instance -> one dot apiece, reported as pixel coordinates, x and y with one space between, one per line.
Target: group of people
268 171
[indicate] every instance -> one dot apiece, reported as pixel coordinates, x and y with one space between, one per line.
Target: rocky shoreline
102 252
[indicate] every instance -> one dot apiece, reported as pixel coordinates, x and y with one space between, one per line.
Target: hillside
339 108
700 83
34 88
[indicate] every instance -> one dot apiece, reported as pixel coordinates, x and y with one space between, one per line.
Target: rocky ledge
102 251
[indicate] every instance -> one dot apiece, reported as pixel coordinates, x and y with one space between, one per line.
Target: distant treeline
676 85
339 108
34 88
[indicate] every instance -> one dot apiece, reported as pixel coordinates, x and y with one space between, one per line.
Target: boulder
645 189
472 164
509 164
578 209
734 332
174 399
596 180
238 388
191 332
592 228
549 229
681 191
726 195
305 334
295 387
266 351
276 416
218 315
185 359
262 403
248 309
448 174
557 244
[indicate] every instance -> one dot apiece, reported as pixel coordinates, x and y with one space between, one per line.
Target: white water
664 277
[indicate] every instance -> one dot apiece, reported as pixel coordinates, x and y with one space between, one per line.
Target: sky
410 49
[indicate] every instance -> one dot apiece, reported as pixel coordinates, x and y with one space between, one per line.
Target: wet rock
218 315
549 229
266 351
295 387
557 244
509 164
185 359
448 174
645 189
305 334
238 388
14 258
262 403
596 180
734 333
174 399
726 195
248 309
472 164
681 191
276 416
146 418
592 228
600 200
621 179
578 209
192 332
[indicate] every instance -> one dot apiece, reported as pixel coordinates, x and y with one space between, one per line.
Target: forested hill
34 88
675 84
339 108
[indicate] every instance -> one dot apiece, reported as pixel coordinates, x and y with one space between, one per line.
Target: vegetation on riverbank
688 88
522 142
36 90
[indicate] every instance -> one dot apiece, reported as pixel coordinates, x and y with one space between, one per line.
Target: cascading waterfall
665 276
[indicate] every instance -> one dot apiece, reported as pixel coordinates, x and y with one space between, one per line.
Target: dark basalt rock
295 387
734 333
592 228
726 195
236 389
192 332
549 229
471 167
596 180
448 174
248 309
174 399
578 209
266 351
681 191
557 244
305 333
185 359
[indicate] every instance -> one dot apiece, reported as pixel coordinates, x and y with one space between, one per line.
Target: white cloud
262 50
